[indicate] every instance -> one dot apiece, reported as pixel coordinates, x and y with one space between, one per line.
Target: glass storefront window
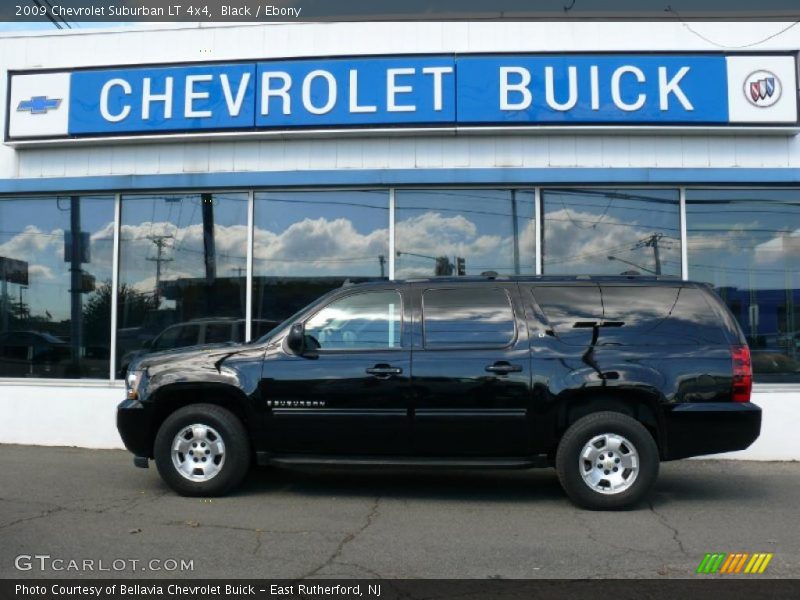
306 243
611 232
183 260
182 271
746 243
464 232
55 299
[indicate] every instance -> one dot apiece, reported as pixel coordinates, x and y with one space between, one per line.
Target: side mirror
296 339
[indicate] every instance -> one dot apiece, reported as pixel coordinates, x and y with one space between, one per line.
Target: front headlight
132 382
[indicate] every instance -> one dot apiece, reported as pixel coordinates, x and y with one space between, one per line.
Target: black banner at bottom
396 589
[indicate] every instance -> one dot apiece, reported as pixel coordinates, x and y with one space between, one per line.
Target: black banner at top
65 12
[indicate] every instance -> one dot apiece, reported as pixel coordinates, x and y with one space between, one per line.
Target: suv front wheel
606 461
202 450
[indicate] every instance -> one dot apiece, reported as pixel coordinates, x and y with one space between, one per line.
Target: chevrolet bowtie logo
39 105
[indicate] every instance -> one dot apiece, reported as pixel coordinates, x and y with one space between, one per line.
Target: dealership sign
443 91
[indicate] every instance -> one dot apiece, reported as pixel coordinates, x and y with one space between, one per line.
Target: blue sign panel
592 89
347 92
426 91
185 98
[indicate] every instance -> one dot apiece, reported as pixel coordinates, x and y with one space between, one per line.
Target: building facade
166 187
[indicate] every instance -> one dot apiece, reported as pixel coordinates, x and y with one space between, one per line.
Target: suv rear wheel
606 461
202 450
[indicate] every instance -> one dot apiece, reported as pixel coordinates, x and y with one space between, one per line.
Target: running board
267 458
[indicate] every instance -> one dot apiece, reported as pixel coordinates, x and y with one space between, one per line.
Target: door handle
503 368
384 371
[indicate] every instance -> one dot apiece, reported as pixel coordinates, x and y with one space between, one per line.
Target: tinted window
467 317
570 310
178 337
359 322
221 332
658 316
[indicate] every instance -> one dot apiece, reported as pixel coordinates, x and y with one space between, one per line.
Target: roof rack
494 276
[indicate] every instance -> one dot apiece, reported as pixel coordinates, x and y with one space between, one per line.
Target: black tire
570 465
231 468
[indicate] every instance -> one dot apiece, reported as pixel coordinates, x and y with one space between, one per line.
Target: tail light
742 374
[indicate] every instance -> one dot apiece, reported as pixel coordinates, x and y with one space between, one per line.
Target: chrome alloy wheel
198 452
609 463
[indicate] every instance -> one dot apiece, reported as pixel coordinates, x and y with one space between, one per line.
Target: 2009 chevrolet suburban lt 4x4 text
601 377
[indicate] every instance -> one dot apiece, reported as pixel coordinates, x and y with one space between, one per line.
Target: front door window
367 321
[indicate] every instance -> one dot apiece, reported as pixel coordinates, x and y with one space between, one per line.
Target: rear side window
179 336
218 333
467 318
570 310
659 315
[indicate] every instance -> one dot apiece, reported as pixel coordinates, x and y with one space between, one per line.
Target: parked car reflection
33 354
28 353
196 332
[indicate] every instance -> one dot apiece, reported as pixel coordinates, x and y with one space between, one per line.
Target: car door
471 372
351 395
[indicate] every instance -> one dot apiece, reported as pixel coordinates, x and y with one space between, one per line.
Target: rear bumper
134 423
698 428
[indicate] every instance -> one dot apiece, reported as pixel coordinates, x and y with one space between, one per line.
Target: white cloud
320 247
39 272
570 248
783 247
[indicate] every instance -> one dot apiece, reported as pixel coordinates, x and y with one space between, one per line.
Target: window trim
510 344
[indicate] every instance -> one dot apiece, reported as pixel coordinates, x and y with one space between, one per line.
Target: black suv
600 377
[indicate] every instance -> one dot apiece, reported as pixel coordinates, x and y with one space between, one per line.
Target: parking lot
74 505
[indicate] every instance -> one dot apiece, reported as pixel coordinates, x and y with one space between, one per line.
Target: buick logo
762 88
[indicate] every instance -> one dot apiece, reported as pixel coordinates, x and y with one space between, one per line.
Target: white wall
60 415
52 415
780 419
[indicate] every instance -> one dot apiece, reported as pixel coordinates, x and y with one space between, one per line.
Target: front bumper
698 428
135 426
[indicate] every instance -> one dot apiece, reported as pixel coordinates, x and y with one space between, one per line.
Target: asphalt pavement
74 505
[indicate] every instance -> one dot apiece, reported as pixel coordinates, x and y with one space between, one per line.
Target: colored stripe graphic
728 564
758 563
734 563
711 562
